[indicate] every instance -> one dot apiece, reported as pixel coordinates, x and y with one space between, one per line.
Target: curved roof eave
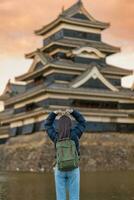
62 19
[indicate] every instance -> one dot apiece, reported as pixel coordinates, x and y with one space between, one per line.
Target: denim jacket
75 132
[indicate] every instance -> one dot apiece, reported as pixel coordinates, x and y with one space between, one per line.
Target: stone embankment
98 152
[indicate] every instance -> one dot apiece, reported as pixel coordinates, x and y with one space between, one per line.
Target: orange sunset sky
19 19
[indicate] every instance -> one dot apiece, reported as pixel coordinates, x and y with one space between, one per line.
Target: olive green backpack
66 155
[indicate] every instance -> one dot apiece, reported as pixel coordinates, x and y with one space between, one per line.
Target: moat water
40 186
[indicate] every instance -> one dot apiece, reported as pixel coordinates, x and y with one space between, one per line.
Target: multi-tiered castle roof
70 70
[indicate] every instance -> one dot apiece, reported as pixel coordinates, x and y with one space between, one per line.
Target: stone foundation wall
98 152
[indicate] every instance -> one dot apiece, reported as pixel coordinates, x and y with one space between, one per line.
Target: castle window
19 130
31 106
38 80
95 104
39 65
82 35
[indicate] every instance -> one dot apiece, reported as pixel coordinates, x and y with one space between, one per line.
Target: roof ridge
75 5
78 6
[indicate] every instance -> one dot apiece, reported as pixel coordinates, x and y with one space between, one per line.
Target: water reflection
3 187
31 186
40 186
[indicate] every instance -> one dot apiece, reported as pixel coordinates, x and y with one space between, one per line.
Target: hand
57 112
69 110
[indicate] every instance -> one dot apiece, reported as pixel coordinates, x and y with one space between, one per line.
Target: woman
71 179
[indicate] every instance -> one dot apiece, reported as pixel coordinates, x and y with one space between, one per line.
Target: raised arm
49 125
81 123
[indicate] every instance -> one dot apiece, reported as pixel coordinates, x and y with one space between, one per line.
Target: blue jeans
67 181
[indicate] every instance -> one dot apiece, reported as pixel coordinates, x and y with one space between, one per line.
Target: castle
69 70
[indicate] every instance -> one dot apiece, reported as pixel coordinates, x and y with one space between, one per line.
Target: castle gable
80 15
93 74
39 61
78 11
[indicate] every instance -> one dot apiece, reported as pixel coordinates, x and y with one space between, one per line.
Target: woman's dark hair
64 126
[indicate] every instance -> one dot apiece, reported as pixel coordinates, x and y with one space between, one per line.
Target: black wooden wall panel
13 132
80 16
82 35
3 140
92 127
94 83
27 129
